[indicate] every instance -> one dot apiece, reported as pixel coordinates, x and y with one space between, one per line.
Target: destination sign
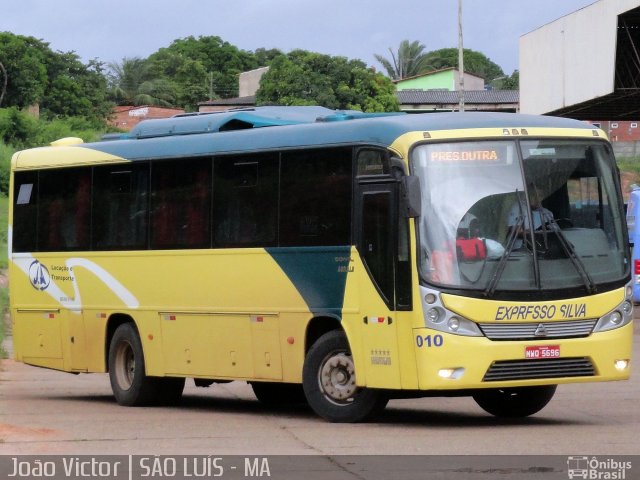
464 156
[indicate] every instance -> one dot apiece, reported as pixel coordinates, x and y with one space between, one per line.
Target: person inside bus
541 216
469 234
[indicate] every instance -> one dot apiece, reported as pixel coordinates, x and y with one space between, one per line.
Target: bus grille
534 369
527 331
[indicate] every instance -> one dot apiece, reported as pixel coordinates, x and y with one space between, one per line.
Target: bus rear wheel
129 382
329 382
515 402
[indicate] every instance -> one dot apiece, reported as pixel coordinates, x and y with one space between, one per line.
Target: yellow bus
338 258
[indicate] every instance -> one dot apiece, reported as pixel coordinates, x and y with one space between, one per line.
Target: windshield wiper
571 253
502 263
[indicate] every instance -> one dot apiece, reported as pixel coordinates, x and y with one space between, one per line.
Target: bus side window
121 207
317 187
25 211
245 199
373 162
377 243
181 204
64 208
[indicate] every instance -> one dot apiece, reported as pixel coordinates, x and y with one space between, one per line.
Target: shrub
16 127
19 130
6 152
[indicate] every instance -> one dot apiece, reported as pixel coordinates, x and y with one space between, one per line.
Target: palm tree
125 79
130 83
408 61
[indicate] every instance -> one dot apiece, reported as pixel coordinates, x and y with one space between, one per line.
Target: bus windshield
507 215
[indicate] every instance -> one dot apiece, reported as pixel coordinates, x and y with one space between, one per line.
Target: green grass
4 292
4 219
631 165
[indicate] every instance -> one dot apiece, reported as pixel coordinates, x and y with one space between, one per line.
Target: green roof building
445 79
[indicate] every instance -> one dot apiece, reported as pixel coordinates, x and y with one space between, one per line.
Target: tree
58 81
16 127
25 64
511 82
75 89
474 62
265 57
307 78
4 82
131 83
203 67
409 60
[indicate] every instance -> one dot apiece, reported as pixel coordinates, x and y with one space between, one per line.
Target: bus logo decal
41 280
39 275
540 331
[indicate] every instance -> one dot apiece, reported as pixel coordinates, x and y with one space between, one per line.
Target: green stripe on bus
318 273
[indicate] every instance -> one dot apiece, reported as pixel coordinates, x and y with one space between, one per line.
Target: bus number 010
429 341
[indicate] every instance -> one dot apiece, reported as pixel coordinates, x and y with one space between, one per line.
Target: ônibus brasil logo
39 275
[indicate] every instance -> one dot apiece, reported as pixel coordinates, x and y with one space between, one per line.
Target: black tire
329 382
274 394
129 382
515 402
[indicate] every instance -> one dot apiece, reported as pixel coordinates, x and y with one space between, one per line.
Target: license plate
540 352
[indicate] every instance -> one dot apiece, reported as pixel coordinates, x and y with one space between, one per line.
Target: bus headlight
621 365
449 322
620 317
437 317
453 324
461 326
451 373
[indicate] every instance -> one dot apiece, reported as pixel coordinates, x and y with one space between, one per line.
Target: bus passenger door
380 289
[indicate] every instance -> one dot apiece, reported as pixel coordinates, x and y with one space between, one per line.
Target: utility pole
4 84
460 59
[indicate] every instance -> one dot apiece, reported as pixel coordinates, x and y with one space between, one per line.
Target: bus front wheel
515 402
129 382
329 382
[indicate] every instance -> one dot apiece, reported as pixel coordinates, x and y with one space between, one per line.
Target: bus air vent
527 331
538 369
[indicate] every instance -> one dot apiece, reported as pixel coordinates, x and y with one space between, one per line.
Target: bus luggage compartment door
37 336
221 345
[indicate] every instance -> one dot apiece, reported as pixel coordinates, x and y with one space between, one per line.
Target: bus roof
281 128
242 119
271 128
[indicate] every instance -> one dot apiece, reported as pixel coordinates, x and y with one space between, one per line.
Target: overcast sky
113 29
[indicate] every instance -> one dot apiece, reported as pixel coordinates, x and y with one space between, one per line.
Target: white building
585 65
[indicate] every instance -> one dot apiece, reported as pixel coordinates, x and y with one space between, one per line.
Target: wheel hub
337 378
125 366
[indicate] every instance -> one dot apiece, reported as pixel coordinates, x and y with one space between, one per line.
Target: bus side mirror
411 196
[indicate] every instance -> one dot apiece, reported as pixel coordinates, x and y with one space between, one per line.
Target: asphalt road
49 412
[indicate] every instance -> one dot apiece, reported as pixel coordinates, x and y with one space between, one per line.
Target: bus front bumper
452 362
